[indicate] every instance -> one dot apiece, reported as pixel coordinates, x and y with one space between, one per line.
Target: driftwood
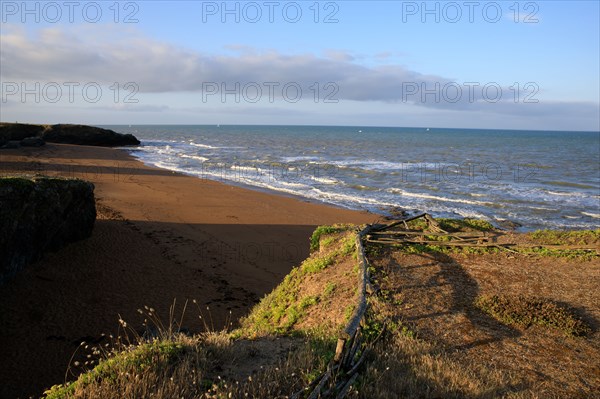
386 234
403 221
344 368
359 311
467 234
433 224
348 334
477 243
316 393
465 243
560 247
347 386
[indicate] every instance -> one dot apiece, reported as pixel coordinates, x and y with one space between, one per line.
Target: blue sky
478 64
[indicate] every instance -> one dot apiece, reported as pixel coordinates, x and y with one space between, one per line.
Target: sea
528 179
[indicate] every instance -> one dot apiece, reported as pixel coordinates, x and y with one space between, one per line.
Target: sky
464 64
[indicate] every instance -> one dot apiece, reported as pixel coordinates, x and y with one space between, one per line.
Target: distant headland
13 135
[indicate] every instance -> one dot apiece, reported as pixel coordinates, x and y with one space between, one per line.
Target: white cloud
96 54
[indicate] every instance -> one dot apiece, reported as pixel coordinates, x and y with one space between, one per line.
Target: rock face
66 134
87 135
19 131
10 145
41 214
32 142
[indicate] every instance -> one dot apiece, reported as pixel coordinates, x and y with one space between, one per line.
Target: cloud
86 54
102 55
135 108
338 55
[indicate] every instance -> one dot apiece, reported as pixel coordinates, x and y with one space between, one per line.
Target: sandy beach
159 237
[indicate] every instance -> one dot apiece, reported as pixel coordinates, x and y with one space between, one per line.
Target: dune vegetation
440 322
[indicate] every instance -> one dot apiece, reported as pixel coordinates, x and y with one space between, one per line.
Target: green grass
325 230
349 311
454 225
329 289
573 254
136 359
440 249
525 312
281 309
557 237
541 237
327 241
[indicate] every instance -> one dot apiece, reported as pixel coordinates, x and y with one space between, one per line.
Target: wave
592 215
376 165
565 194
437 198
210 147
298 158
195 157
544 208
570 184
362 175
361 187
325 180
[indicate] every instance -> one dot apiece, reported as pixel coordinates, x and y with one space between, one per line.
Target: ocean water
539 179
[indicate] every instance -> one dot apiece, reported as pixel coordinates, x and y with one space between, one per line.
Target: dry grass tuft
523 312
208 365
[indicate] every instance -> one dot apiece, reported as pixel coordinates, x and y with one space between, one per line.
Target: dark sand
159 236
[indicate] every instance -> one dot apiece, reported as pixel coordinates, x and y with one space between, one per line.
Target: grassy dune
458 323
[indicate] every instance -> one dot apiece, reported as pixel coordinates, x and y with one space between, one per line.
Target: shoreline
159 236
350 170
126 166
250 187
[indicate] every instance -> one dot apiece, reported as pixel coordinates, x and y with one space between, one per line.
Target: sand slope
159 236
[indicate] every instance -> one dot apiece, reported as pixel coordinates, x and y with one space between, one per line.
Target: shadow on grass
463 291
436 303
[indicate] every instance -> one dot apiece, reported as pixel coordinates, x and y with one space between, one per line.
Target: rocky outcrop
32 142
87 135
66 134
41 214
10 145
19 131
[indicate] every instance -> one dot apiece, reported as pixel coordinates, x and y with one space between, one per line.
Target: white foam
210 147
563 194
363 181
299 158
544 208
592 215
324 180
196 157
437 198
